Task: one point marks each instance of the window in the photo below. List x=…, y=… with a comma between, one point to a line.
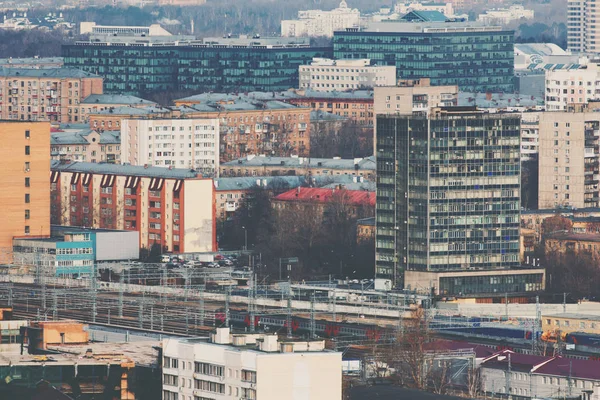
x=27, y=214
x=170, y=380
x=27, y=166
x=27, y=197
x=249, y=376
x=170, y=395
x=209, y=369
x=26, y=229
x=27, y=182
x=27, y=150
x=27, y=134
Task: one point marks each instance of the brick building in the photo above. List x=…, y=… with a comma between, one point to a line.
x=50, y=94
x=25, y=162
x=173, y=208
x=91, y=145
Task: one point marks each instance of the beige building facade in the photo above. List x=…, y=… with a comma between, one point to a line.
x=568, y=160
x=413, y=97
x=45, y=94
x=326, y=75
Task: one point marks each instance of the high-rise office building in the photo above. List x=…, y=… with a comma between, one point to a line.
x=447, y=192
x=475, y=57
x=134, y=65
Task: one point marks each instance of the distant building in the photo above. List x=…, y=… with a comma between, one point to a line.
x=530, y=136
x=142, y=31
x=445, y=8
x=166, y=64
x=528, y=55
x=51, y=94
x=573, y=243
x=326, y=75
x=505, y=15
x=365, y=230
x=72, y=251
x=244, y=365
x=32, y=62
x=87, y=145
x=422, y=167
x=569, y=153
x=171, y=208
x=321, y=23
x=469, y=64
x=25, y=164
x=571, y=322
x=260, y=165
x=172, y=143
x=413, y=97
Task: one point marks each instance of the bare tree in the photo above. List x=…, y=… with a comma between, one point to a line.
x=474, y=381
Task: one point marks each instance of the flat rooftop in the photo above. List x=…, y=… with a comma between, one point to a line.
x=125, y=170
x=401, y=27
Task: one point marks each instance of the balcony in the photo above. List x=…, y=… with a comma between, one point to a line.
x=590, y=152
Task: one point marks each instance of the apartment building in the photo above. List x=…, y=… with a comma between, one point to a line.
x=175, y=143
x=530, y=136
x=261, y=165
x=573, y=243
x=110, y=118
x=413, y=97
x=51, y=94
x=445, y=200
x=571, y=322
x=575, y=87
x=404, y=8
x=569, y=148
x=326, y=75
x=249, y=366
x=505, y=15
x=87, y=145
x=172, y=208
x=141, y=31
x=582, y=35
x=25, y=162
x=321, y=23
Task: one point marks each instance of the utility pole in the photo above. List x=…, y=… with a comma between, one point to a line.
x=121, y=288
x=251, y=311
x=312, y=317
x=93, y=283
x=564, y=302
x=289, y=309
x=201, y=304
x=506, y=305
x=508, y=374
x=227, y=300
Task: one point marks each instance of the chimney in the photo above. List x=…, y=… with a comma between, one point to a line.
x=269, y=343
x=297, y=190
x=216, y=182
x=220, y=336
x=145, y=166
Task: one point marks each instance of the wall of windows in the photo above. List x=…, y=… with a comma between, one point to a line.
x=475, y=61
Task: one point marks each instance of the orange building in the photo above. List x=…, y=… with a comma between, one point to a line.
x=25, y=164
x=45, y=94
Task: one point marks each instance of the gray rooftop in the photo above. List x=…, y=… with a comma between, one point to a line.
x=123, y=110
x=399, y=27
x=191, y=41
x=126, y=170
x=324, y=116
x=365, y=186
x=242, y=105
x=115, y=99
x=498, y=100
x=79, y=137
x=268, y=182
x=46, y=73
x=367, y=163
x=31, y=60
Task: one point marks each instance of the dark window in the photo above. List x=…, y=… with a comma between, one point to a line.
x=27, y=214
x=26, y=197
x=27, y=150
x=26, y=228
x=27, y=182
x=27, y=134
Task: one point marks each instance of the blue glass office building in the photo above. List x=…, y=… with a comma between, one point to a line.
x=218, y=65
x=477, y=58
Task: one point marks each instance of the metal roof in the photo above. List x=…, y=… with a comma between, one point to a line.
x=134, y=110
x=323, y=116
x=79, y=137
x=321, y=195
x=125, y=170
x=266, y=182
x=424, y=16
x=31, y=60
x=584, y=317
x=115, y=99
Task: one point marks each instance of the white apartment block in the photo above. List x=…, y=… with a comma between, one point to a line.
x=568, y=87
x=92, y=28
x=326, y=75
x=505, y=15
x=249, y=366
x=321, y=23
x=445, y=8
x=582, y=32
x=568, y=159
x=175, y=143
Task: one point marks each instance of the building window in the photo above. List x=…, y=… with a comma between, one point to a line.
x=27, y=198
x=27, y=182
x=27, y=214
x=27, y=166
x=27, y=150
x=27, y=134
x=26, y=229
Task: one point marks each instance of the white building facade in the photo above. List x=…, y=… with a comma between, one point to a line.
x=445, y=8
x=326, y=75
x=249, y=366
x=583, y=35
x=321, y=23
x=574, y=86
x=175, y=143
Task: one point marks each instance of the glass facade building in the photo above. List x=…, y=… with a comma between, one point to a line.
x=474, y=57
x=130, y=68
x=447, y=192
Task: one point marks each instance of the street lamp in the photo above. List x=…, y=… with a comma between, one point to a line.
x=245, y=237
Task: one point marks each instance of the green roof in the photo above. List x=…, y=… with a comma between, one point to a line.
x=46, y=72
x=425, y=16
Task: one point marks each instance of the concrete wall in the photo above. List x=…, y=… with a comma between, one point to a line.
x=199, y=216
